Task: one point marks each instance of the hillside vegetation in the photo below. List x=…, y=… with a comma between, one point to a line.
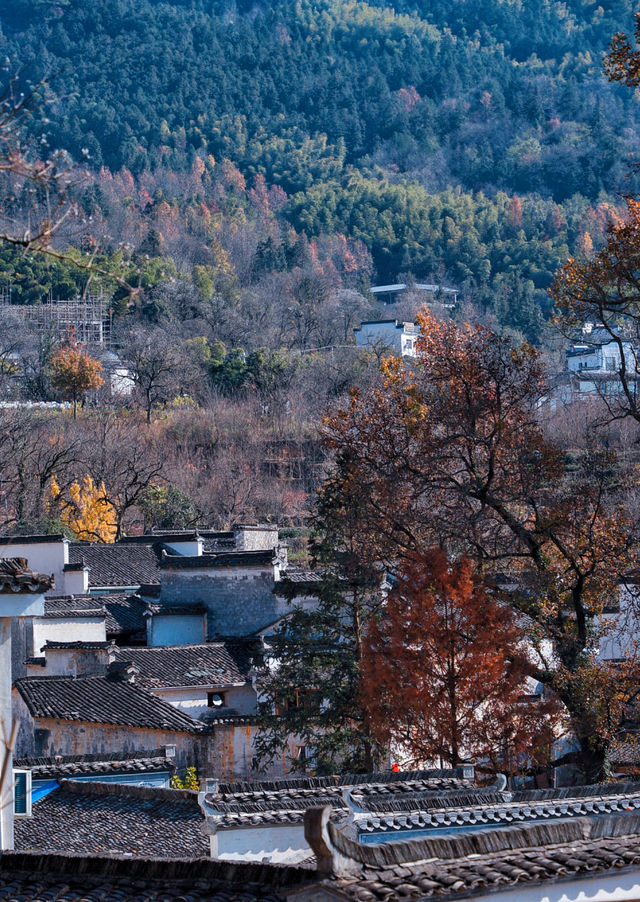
x=471, y=142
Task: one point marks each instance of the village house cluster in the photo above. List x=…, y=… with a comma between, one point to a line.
x=134, y=661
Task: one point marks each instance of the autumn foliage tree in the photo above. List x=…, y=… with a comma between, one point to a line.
x=443, y=671
x=86, y=510
x=450, y=452
x=74, y=372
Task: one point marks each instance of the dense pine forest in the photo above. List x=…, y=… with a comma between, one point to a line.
x=238, y=143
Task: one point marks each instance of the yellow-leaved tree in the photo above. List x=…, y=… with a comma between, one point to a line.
x=87, y=511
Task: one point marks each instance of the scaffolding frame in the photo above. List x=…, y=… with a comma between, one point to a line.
x=87, y=320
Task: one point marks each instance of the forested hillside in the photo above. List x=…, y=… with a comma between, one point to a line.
x=474, y=142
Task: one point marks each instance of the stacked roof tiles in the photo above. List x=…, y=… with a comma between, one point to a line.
x=285, y=801
x=101, y=699
x=96, y=765
x=213, y=664
x=111, y=818
x=16, y=578
x=480, y=863
x=117, y=565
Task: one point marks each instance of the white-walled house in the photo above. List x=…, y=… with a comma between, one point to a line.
x=598, y=352
x=388, y=336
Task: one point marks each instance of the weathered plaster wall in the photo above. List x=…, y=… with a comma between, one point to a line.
x=194, y=701
x=255, y=538
x=69, y=629
x=75, y=662
x=48, y=737
x=47, y=557
x=275, y=843
x=231, y=754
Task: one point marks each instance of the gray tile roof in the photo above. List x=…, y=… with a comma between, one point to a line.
x=71, y=606
x=301, y=576
x=89, y=765
x=99, y=699
x=28, y=877
x=125, y=616
x=476, y=864
x=104, y=818
x=259, y=558
x=173, y=610
x=413, y=815
x=382, y=781
x=210, y=664
x=285, y=801
x=117, y=565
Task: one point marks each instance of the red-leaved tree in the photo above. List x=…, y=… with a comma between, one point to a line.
x=443, y=673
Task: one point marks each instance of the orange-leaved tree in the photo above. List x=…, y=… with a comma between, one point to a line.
x=74, y=372
x=450, y=451
x=443, y=671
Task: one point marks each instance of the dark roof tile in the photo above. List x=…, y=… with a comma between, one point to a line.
x=98, y=699
x=28, y=877
x=117, y=565
x=72, y=606
x=115, y=818
x=259, y=558
x=74, y=765
x=475, y=864
x=16, y=578
x=210, y=664
x=125, y=615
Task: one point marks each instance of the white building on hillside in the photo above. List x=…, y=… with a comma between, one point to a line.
x=388, y=336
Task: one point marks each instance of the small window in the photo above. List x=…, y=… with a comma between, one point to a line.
x=301, y=753
x=610, y=364
x=22, y=793
x=215, y=700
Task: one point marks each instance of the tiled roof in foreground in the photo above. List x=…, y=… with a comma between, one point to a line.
x=38, y=877
x=589, y=850
x=473, y=864
x=107, y=818
x=99, y=699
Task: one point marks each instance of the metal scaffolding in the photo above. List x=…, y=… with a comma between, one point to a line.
x=87, y=319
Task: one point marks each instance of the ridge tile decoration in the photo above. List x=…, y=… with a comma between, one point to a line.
x=16, y=578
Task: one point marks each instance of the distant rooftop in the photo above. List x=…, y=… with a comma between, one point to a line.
x=117, y=565
x=397, y=323
x=418, y=286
